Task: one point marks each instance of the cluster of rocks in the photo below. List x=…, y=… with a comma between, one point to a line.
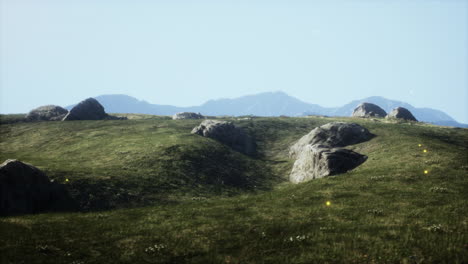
x=187, y=115
x=318, y=154
x=371, y=110
x=25, y=189
x=228, y=134
x=89, y=109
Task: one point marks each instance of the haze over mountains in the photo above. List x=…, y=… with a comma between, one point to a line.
x=267, y=104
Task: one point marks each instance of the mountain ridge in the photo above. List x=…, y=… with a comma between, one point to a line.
x=267, y=104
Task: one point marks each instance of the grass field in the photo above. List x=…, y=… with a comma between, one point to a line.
x=151, y=192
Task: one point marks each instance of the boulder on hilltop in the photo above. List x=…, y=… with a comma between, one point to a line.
x=89, y=109
x=335, y=134
x=47, y=113
x=228, y=134
x=25, y=189
x=368, y=110
x=401, y=113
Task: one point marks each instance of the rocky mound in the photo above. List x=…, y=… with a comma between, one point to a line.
x=25, y=189
x=187, y=115
x=336, y=134
x=89, y=109
x=228, y=134
x=47, y=113
x=368, y=110
x=316, y=161
x=401, y=113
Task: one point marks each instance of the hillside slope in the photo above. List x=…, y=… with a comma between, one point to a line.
x=113, y=164
x=385, y=211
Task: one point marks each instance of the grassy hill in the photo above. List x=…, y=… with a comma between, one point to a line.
x=151, y=192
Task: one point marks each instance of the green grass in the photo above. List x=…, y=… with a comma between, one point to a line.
x=154, y=193
x=12, y=118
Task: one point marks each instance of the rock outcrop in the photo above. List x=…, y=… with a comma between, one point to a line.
x=187, y=115
x=401, y=113
x=24, y=189
x=317, y=161
x=89, y=109
x=228, y=134
x=47, y=113
x=336, y=134
x=368, y=110
x=318, y=154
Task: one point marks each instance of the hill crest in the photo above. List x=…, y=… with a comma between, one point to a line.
x=266, y=104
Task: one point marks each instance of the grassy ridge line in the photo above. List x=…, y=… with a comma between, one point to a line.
x=385, y=211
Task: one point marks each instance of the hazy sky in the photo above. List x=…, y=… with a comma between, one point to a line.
x=187, y=52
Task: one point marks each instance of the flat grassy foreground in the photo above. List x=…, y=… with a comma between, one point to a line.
x=151, y=192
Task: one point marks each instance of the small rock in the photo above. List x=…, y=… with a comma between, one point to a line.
x=187, y=115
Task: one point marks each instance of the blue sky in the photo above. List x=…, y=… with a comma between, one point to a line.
x=187, y=52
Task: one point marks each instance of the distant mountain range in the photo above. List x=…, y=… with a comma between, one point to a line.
x=267, y=104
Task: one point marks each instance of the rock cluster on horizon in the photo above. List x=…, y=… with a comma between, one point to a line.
x=372, y=110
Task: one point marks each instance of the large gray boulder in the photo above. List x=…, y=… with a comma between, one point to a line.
x=25, y=189
x=228, y=134
x=47, y=113
x=401, y=113
x=187, y=115
x=318, y=161
x=89, y=109
x=335, y=134
x=368, y=110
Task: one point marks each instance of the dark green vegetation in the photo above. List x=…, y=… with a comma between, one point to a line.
x=153, y=193
x=13, y=118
